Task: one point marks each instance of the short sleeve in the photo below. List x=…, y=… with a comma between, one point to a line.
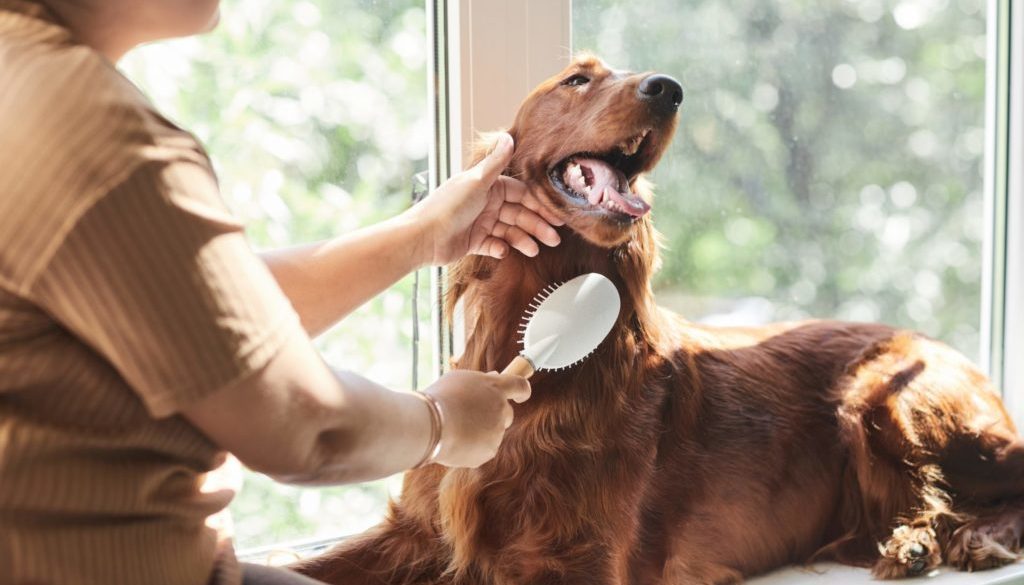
x=158, y=278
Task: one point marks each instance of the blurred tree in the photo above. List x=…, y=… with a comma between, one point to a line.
x=829, y=157
x=315, y=114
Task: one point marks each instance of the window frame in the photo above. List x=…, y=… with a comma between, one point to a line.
x=482, y=46
x=1003, y=268
x=475, y=80
x=480, y=69
x=488, y=37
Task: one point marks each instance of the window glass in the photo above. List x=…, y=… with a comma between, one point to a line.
x=315, y=114
x=828, y=161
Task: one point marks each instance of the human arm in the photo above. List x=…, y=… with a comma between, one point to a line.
x=158, y=280
x=300, y=422
x=475, y=212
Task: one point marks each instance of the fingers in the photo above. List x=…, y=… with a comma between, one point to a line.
x=532, y=223
x=516, y=191
x=488, y=169
x=509, y=415
x=522, y=220
x=494, y=247
x=517, y=238
x=516, y=388
x=478, y=410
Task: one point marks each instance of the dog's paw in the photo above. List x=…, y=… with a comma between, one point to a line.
x=909, y=552
x=982, y=544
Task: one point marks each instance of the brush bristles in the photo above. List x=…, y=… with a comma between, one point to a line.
x=566, y=367
x=531, y=310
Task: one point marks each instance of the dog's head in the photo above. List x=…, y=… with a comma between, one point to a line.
x=586, y=136
x=584, y=139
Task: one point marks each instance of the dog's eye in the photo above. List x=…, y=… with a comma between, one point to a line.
x=576, y=80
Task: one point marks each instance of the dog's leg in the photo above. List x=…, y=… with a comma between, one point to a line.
x=690, y=560
x=989, y=541
x=988, y=467
x=913, y=549
x=916, y=544
x=932, y=444
x=886, y=421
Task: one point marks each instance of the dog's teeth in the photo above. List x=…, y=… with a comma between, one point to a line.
x=576, y=178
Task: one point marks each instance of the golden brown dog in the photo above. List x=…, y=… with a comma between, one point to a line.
x=680, y=453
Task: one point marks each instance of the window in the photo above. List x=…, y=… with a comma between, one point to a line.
x=1004, y=319
x=833, y=160
x=315, y=113
x=829, y=161
x=981, y=207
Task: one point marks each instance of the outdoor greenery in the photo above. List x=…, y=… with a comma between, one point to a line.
x=828, y=163
x=315, y=114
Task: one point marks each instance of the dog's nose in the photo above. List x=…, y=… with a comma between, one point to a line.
x=662, y=92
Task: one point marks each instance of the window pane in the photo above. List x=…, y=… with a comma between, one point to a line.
x=828, y=161
x=315, y=113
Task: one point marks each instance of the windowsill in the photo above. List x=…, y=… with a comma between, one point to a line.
x=842, y=575
x=831, y=573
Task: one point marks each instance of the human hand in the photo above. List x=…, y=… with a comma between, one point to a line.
x=478, y=211
x=476, y=413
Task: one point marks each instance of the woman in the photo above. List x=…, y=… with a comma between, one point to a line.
x=141, y=339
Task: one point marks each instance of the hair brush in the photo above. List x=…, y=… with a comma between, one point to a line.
x=565, y=323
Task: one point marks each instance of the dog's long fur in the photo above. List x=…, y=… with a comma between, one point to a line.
x=680, y=453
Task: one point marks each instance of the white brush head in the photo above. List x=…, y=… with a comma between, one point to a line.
x=568, y=322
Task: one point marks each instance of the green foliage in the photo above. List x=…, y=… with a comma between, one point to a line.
x=315, y=114
x=828, y=163
x=828, y=158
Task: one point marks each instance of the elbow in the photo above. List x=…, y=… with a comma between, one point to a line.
x=322, y=477
x=300, y=479
x=329, y=460
x=276, y=468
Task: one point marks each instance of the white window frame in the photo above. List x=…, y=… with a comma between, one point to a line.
x=1003, y=268
x=488, y=55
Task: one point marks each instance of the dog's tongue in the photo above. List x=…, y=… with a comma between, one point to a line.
x=606, y=185
x=630, y=204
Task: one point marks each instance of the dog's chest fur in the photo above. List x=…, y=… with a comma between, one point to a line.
x=568, y=485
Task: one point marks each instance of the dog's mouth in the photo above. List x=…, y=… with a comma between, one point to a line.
x=601, y=181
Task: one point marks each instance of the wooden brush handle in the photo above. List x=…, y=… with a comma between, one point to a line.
x=519, y=367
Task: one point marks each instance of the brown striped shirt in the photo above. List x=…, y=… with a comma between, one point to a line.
x=127, y=291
